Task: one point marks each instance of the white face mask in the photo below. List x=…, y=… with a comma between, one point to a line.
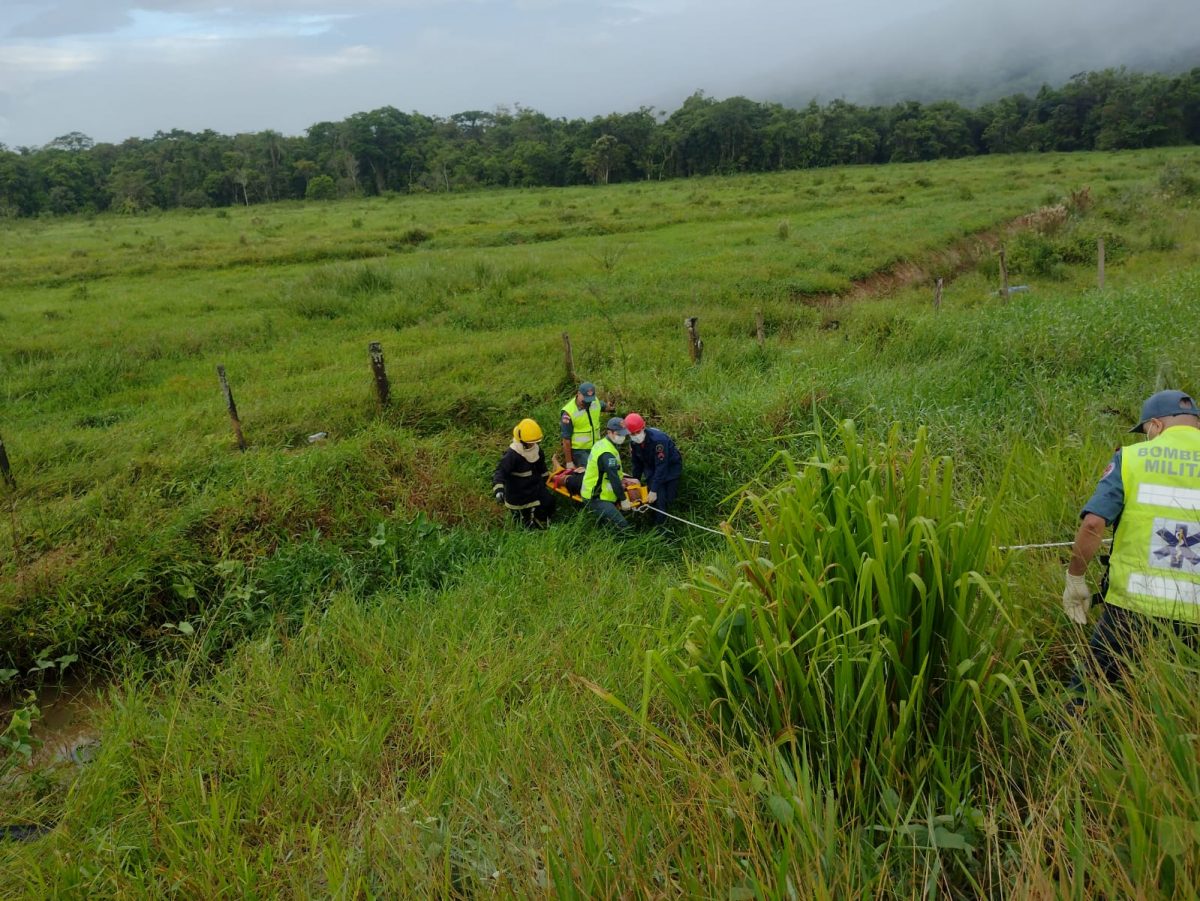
x=618, y=440
x=637, y=437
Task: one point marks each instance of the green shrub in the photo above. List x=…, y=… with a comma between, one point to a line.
x=1033, y=254
x=1162, y=240
x=1174, y=181
x=864, y=635
x=412, y=237
x=1079, y=246
x=321, y=187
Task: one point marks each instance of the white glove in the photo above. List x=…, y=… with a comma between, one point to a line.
x=651, y=497
x=1077, y=599
x=626, y=505
x=498, y=494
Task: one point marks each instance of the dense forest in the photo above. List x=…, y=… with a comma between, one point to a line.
x=386, y=150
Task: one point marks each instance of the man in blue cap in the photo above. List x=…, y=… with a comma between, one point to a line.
x=581, y=425
x=1150, y=495
x=603, y=481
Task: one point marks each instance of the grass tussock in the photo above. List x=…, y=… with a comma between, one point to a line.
x=866, y=636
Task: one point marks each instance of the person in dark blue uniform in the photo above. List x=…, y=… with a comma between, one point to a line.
x=657, y=464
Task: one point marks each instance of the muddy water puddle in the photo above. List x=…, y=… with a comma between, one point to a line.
x=66, y=729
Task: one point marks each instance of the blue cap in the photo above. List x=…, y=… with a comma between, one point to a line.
x=617, y=424
x=1164, y=404
x=588, y=390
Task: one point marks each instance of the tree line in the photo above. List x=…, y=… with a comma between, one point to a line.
x=386, y=150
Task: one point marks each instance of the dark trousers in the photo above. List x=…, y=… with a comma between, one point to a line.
x=607, y=512
x=1117, y=639
x=537, y=517
x=667, y=492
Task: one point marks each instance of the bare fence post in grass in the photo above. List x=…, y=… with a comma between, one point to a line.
x=5, y=469
x=937, y=295
x=6, y=472
x=760, y=332
x=1100, y=263
x=1003, y=274
x=233, y=413
x=695, y=345
x=569, y=359
x=382, y=387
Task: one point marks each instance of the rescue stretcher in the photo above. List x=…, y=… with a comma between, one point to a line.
x=568, y=483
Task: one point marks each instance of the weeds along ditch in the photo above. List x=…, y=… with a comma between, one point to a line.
x=336, y=670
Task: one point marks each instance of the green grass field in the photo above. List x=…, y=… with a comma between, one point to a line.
x=334, y=669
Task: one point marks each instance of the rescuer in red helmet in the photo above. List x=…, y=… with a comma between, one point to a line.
x=657, y=464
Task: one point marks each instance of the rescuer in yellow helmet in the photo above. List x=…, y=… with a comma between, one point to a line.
x=519, y=482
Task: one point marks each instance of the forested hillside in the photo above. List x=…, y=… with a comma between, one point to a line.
x=386, y=150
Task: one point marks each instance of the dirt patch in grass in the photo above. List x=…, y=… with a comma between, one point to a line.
x=422, y=482
x=947, y=263
x=39, y=574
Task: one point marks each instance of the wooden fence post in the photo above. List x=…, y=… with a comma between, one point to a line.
x=1003, y=274
x=760, y=331
x=569, y=359
x=695, y=345
x=233, y=413
x=382, y=387
x=1100, y=263
x=937, y=295
x=6, y=472
x=5, y=469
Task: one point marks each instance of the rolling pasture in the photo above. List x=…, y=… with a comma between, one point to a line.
x=332, y=668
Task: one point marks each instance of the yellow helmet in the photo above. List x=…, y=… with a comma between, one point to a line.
x=528, y=431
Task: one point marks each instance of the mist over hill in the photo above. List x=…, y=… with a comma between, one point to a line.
x=974, y=54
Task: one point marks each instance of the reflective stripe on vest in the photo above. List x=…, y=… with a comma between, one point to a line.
x=585, y=424
x=1155, y=566
x=592, y=474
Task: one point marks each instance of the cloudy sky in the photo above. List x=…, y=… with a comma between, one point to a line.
x=114, y=69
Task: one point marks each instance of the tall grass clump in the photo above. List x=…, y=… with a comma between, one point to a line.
x=864, y=639
x=1114, y=811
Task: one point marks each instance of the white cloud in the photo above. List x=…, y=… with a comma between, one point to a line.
x=37, y=59
x=356, y=57
x=285, y=64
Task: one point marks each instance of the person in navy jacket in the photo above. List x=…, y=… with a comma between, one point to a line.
x=657, y=464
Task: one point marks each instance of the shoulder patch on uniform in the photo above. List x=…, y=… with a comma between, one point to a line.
x=566, y=417
x=1108, y=470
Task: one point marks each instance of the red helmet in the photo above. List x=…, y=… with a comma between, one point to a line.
x=634, y=423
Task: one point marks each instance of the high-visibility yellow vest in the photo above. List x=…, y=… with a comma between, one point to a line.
x=1155, y=563
x=592, y=474
x=585, y=424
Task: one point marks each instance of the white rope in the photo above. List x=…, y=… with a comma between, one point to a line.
x=695, y=525
x=1030, y=547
